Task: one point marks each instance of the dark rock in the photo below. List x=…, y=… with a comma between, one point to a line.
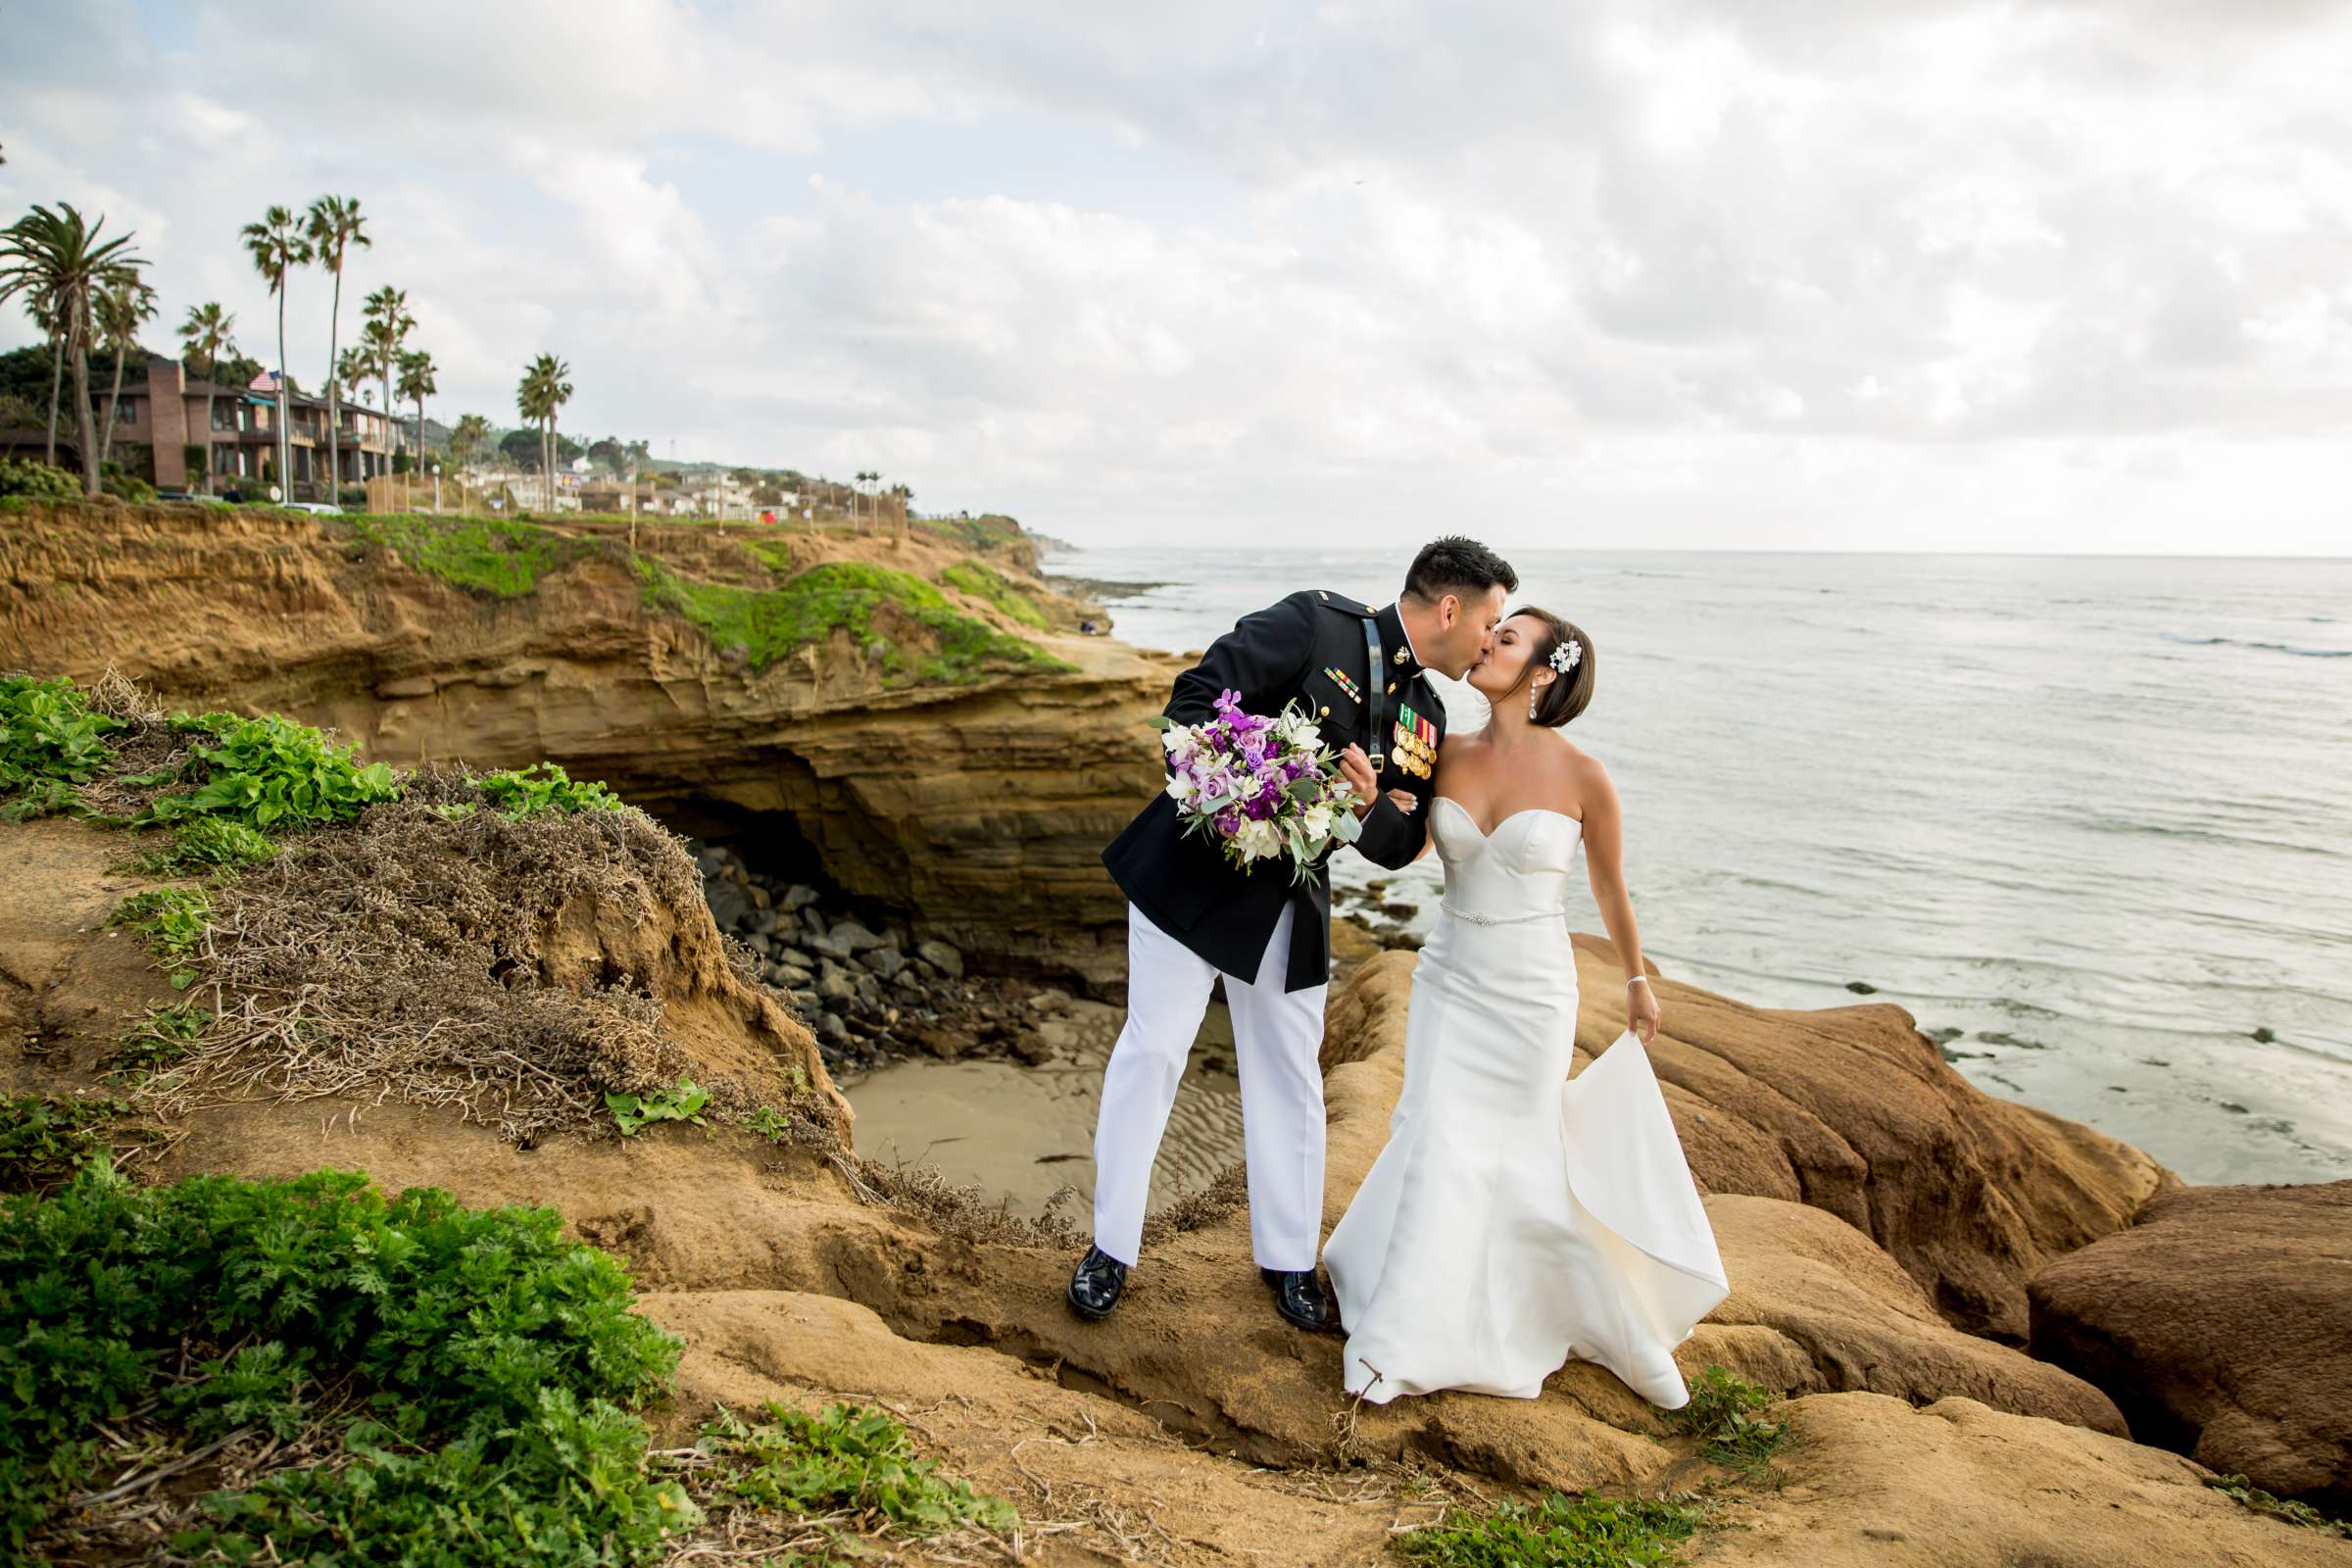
x=885, y=961
x=798, y=897
x=942, y=958
x=2221, y=1324
x=729, y=904
x=855, y=937
x=1862, y=988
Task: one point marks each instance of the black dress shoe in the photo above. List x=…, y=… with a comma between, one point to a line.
x=1096, y=1283
x=1299, y=1297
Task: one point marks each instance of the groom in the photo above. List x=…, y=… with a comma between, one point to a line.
x=1190, y=916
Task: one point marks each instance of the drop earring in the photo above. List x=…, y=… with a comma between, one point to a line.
x=1533, y=698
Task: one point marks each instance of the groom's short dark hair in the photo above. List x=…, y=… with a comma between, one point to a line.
x=1454, y=564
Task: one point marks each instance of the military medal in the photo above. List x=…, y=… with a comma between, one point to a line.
x=1345, y=682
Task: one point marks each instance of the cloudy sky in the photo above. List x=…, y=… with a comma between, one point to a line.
x=1750, y=274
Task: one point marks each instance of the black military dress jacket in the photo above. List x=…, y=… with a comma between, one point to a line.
x=1310, y=647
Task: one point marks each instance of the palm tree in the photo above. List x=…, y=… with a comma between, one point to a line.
x=44, y=318
x=469, y=435
x=332, y=226
x=122, y=305
x=416, y=384
x=354, y=366
x=58, y=259
x=277, y=248
x=544, y=391
x=387, y=331
x=532, y=400
x=205, y=334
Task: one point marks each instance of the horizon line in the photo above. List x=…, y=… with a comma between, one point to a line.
x=1753, y=550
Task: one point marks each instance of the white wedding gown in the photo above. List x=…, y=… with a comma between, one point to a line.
x=1518, y=1217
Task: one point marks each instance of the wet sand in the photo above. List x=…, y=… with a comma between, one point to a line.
x=1026, y=1132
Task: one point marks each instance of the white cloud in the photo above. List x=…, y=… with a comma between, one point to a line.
x=1717, y=270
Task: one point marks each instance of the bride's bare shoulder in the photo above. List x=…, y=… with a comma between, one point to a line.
x=1577, y=775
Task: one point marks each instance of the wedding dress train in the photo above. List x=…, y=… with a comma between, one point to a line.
x=1518, y=1217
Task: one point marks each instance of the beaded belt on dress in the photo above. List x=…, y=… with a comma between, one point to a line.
x=1503, y=919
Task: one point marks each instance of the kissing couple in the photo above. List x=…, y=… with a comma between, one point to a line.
x=1517, y=1217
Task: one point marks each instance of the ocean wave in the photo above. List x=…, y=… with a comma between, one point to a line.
x=2250, y=642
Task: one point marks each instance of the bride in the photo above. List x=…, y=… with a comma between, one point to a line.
x=1518, y=1217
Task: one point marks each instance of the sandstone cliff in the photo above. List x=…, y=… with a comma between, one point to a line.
x=913, y=717
x=1192, y=1427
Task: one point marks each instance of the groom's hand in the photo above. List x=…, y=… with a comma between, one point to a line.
x=1356, y=768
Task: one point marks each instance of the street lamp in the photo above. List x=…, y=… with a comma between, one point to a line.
x=436, y=468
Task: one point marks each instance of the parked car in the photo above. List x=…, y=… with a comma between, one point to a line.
x=317, y=508
x=190, y=498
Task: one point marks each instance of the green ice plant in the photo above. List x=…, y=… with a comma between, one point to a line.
x=267, y=773
x=494, y=1363
x=635, y=1112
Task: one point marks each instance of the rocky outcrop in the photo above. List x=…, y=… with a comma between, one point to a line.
x=1849, y=1111
x=963, y=778
x=1816, y=1302
x=1872, y=1482
x=2222, y=1324
x=1193, y=1427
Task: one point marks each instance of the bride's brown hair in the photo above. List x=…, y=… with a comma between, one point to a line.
x=1566, y=696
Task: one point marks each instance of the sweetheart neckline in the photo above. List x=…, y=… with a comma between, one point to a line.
x=1489, y=832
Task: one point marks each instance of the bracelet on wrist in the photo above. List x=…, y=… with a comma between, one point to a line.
x=1639, y=980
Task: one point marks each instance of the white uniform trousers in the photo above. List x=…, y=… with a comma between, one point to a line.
x=1278, y=1041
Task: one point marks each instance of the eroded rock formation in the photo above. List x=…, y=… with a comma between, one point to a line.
x=2222, y=1324
x=969, y=792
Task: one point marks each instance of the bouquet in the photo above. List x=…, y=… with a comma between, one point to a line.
x=1262, y=786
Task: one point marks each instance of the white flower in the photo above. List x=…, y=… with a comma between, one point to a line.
x=1182, y=788
x=1173, y=736
x=1317, y=821
x=1259, y=840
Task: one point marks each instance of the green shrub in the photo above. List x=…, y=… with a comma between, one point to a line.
x=850, y=1459
x=158, y=1040
x=270, y=772
x=545, y=787
x=202, y=841
x=174, y=921
x=2302, y=1515
x=50, y=742
x=1560, y=1532
x=115, y=480
x=494, y=1360
x=1723, y=1414
x=36, y=481
x=635, y=1112
x=44, y=1140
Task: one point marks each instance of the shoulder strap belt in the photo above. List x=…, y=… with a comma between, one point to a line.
x=1373, y=690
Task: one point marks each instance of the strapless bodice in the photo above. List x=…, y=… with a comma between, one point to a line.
x=1518, y=871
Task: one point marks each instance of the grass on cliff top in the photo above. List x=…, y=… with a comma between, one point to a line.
x=769, y=625
x=989, y=585
x=497, y=557
x=386, y=1380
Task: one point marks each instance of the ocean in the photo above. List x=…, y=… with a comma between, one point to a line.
x=2090, y=818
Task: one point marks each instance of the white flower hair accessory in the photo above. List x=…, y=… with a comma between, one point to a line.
x=1564, y=655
